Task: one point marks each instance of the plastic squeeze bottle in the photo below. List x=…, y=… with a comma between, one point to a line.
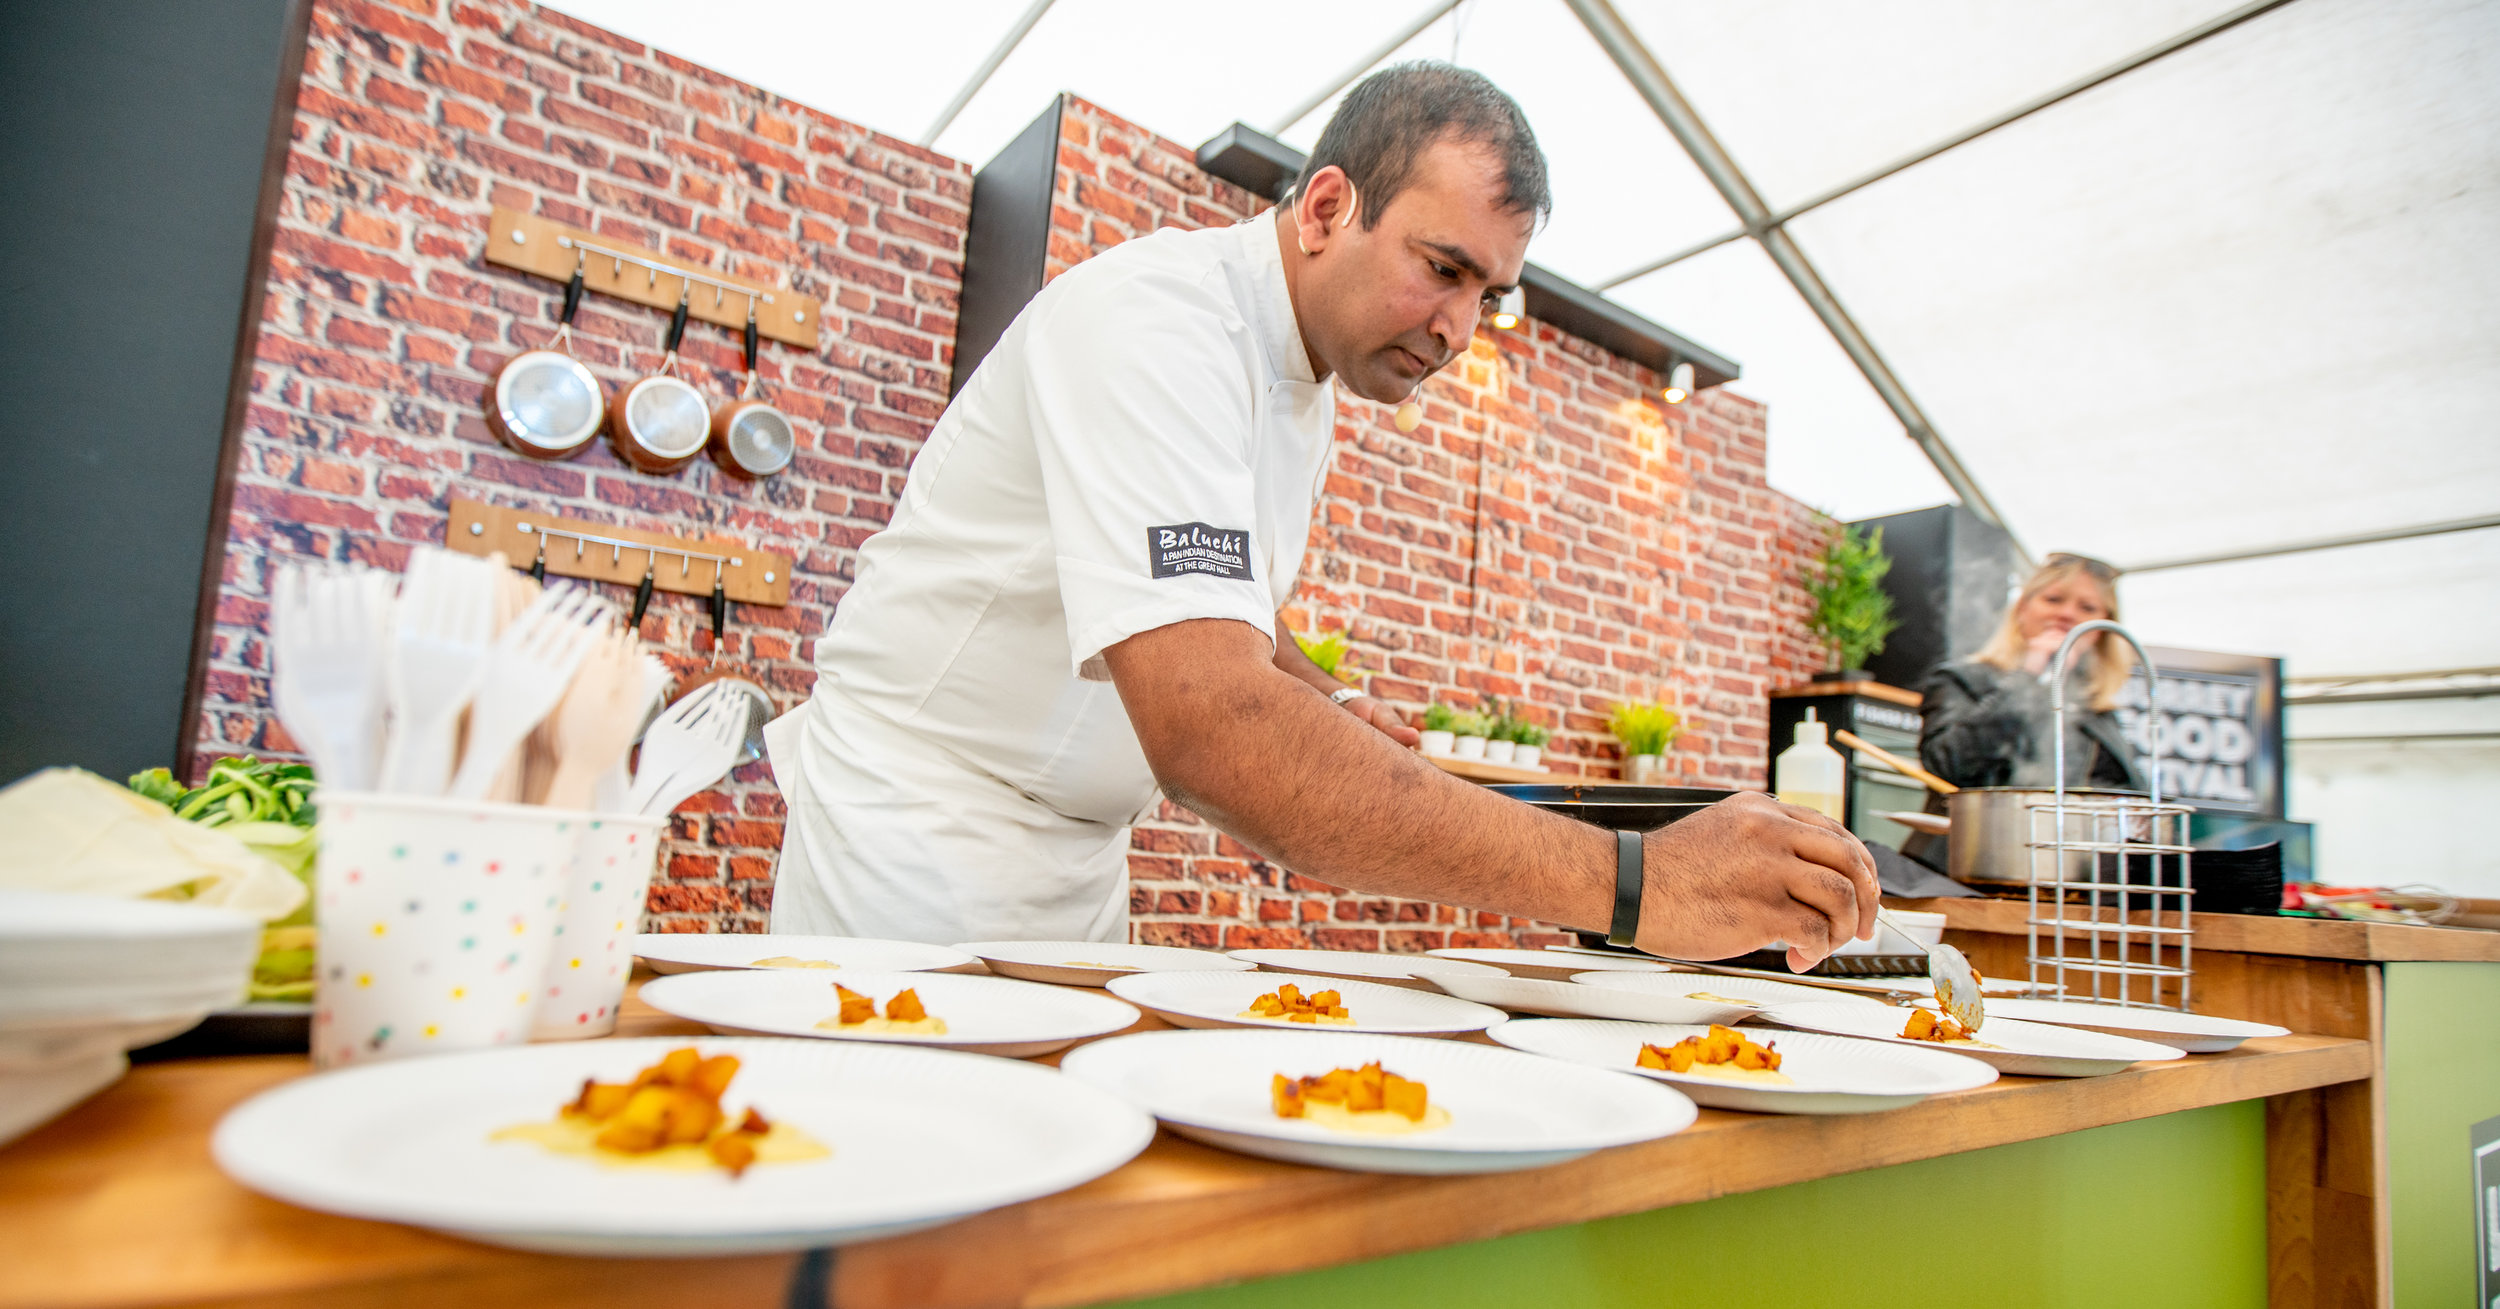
x=1811, y=773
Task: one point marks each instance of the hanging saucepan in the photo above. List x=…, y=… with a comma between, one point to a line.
x=659, y=422
x=544, y=403
x=749, y=437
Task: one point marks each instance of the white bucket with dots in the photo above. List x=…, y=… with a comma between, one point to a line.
x=436, y=920
x=593, y=951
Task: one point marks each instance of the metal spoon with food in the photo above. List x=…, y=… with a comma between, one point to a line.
x=1957, y=983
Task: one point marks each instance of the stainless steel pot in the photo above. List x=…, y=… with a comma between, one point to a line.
x=1993, y=830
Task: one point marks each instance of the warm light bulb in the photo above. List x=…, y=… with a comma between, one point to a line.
x=1679, y=386
x=1512, y=307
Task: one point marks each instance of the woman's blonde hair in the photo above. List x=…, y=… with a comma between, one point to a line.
x=2105, y=659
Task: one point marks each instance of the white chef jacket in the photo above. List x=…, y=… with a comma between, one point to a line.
x=1142, y=447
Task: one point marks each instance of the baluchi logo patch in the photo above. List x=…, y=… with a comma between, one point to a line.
x=1186, y=549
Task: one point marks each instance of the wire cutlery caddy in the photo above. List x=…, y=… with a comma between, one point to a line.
x=2111, y=892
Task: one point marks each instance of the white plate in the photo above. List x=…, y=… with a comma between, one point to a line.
x=985, y=1015
x=919, y=1137
x=2024, y=1049
x=83, y=961
x=1870, y=986
x=1507, y=1110
x=687, y=952
x=1094, y=963
x=2194, y=1033
x=1535, y=995
x=1547, y=965
x=1681, y=987
x=1217, y=1000
x=1405, y=970
x=1831, y=1074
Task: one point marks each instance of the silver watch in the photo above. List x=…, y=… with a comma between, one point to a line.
x=1343, y=694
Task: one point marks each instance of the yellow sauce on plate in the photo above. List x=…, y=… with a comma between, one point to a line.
x=577, y=1136
x=1710, y=998
x=930, y=1026
x=789, y=961
x=1373, y=1122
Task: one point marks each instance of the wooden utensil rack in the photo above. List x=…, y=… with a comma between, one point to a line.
x=647, y=277
x=598, y=552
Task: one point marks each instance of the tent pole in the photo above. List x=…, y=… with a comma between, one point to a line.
x=1432, y=14
x=981, y=76
x=1641, y=69
x=2474, y=524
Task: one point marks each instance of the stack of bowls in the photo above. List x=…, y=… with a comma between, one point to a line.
x=85, y=978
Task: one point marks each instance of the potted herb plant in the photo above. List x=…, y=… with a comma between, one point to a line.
x=1470, y=730
x=1329, y=651
x=1645, y=731
x=1852, y=615
x=1438, y=720
x=1499, y=743
x=1531, y=741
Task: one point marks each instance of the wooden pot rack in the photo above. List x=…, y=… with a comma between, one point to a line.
x=647, y=277
x=598, y=552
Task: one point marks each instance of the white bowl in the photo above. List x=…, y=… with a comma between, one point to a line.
x=1507, y=1110
x=983, y=1015
x=1830, y=1074
x=1218, y=1000
x=1094, y=963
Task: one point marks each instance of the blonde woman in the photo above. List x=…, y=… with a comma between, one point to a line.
x=1987, y=717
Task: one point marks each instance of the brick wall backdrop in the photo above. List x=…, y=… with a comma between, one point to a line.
x=382, y=326
x=1618, y=549
x=1552, y=534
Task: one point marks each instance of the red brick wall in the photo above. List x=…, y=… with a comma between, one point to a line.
x=382, y=325
x=1625, y=550
x=1552, y=534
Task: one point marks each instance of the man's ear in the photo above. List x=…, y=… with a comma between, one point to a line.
x=1325, y=206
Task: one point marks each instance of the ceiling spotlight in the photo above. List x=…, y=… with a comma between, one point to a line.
x=1679, y=386
x=1512, y=308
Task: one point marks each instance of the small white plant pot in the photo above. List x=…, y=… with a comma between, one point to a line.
x=1467, y=747
x=1528, y=756
x=1500, y=752
x=1437, y=743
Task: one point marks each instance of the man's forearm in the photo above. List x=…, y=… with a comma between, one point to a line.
x=1323, y=793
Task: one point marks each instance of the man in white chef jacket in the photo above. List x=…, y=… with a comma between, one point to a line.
x=1075, y=604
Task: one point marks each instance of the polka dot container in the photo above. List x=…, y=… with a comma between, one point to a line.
x=437, y=917
x=602, y=909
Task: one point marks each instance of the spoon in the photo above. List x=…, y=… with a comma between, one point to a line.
x=1957, y=983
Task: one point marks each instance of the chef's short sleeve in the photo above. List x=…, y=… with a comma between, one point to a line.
x=1141, y=397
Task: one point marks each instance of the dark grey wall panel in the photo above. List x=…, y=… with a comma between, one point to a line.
x=1008, y=245
x=137, y=178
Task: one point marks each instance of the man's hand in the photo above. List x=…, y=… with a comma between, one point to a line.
x=1749, y=870
x=1379, y=713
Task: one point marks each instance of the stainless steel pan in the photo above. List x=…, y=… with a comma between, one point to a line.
x=544, y=402
x=659, y=422
x=750, y=438
x=1990, y=840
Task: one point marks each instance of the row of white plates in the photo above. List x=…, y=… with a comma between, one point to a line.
x=922, y=1136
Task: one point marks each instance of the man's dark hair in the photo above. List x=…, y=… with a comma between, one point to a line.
x=1384, y=125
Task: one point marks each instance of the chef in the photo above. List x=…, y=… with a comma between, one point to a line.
x=1075, y=605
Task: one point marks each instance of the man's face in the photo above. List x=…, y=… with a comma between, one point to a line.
x=1385, y=307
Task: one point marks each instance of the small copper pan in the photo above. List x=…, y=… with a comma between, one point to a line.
x=750, y=438
x=659, y=423
x=544, y=402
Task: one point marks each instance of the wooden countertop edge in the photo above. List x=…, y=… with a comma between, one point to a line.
x=2307, y=938
x=157, y=1224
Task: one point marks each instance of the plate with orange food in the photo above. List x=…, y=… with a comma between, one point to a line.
x=1405, y=970
x=951, y=1011
x=1766, y=1071
x=1320, y=1004
x=1383, y=1104
x=2009, y=1045
x=666, y=1146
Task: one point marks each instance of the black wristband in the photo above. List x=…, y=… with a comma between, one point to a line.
x=1627, y=923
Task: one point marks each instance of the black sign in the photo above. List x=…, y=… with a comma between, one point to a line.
x=1195, y=548
x=2217, y=733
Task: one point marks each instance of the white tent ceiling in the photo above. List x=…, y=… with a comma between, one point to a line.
x=2244, y=295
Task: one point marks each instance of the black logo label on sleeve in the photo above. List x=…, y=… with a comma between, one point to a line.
x=1195, y=548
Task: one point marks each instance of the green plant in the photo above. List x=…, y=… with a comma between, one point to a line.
x=1439, y=717
x=1529, y=733
x=1851, y=614
x=1329, y=651
x=1471, y=724
x=1645, y=728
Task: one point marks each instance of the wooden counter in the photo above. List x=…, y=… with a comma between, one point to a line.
x=2329, y=1230
x=118, y=1203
